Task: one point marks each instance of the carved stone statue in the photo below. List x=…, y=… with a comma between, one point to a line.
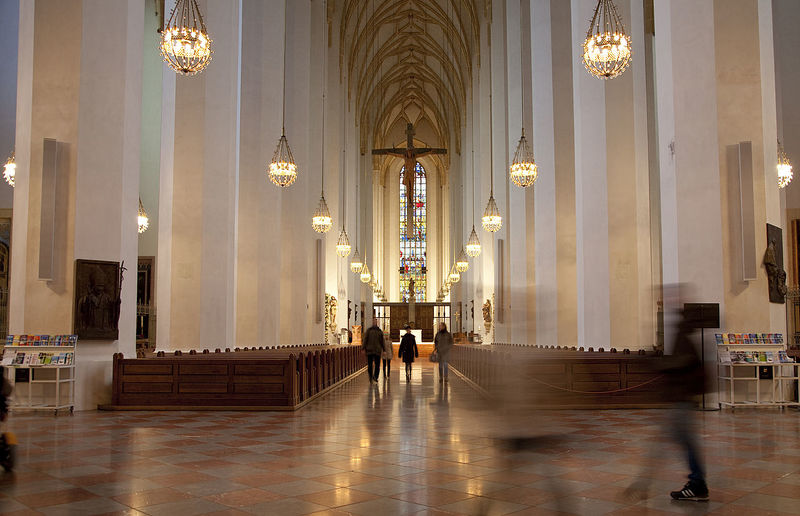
x=775, y=274
x=411, y=294
x=487, y=316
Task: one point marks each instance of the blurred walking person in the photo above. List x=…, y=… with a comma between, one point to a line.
x=442, y=344
x=684, y=384
x=408, y=351
x=387, y=357
x=373, y=345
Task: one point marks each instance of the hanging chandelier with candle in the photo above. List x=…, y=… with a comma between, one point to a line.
x=343, y=245
x=454, y=276
x=282, y=168
x=491, y=220
x=322, y=221
x=142, y=218
x=785, y=173
x=10, y=170
x=523, y=170
x=462, y=264
x=365, y=274
x=185, y=43
x=356, y=264
x=607, y=48
x=473, y=246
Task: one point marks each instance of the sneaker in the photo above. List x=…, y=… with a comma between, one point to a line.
x=692, y=491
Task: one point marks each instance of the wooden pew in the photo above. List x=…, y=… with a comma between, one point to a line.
x=563, y=378
x=247, y=379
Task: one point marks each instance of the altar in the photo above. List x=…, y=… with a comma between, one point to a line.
x=393, y=317
x=417, y=334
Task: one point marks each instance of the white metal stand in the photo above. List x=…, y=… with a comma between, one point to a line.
x=54, y=383
x=755, y=391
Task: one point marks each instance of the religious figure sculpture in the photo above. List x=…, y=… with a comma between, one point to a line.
x=487, y=316
x=775, y=274
x=97, y=305
x=411, y=293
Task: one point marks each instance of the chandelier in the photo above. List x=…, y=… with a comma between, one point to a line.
x=343, y=245
x=523, y=170
x=356, y=264
x=607, y=49
x=785, y=173
x=365, y=275
x=473, y=247
x=143, y=219
x=322, y=221
x=185, y=43
x=462, y=264
x=283, y=169
x=10, y=170
x=454, y=276
x=492, y=221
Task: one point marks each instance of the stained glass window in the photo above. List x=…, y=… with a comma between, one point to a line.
x=413, y=256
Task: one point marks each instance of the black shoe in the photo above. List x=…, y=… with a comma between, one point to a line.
x=692, y=491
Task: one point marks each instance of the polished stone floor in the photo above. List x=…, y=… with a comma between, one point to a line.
x=395, y=448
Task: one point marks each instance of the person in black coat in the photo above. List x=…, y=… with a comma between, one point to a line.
x=408, y=350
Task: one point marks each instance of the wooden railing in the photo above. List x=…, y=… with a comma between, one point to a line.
x=255, y=379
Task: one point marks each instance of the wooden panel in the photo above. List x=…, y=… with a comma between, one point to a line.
x=147, y=378
x=146, y=387
x=263, y=388
x=258, y=379
x=258, y=369
x=639, y=367
x=595, y=368
x=200, y=378
x=546, y=368
x=146, y=368
x=211, y=369
x=595, y=386
x=596, y=377
x=424, y=315
x=203, y=388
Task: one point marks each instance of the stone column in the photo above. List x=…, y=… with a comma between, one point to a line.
x=591, y=192
x=205, y=175
x=543, y=140
x=515, y=280
x=688, y=150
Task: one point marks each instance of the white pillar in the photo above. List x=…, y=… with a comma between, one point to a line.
x=591, y=201
x=688, y=150
x=107, y=181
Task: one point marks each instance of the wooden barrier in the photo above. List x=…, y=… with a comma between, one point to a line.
x=555, y=378
x=257, y=379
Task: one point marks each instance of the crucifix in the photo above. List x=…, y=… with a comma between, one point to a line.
x=409, y=155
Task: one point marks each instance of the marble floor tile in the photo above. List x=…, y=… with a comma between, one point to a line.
x=395, y=448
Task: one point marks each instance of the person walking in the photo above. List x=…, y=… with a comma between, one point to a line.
x=408, y=351
x=685, y=382
x=387, y=357
x=442, y=344
x=373, y=344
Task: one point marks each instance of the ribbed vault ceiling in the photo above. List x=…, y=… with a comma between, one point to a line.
x=409, y=61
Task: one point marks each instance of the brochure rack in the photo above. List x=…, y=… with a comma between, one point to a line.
x=754, y=370
x=42, y=371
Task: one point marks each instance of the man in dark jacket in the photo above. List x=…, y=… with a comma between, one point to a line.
x=684, y=383
x=373, y=347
